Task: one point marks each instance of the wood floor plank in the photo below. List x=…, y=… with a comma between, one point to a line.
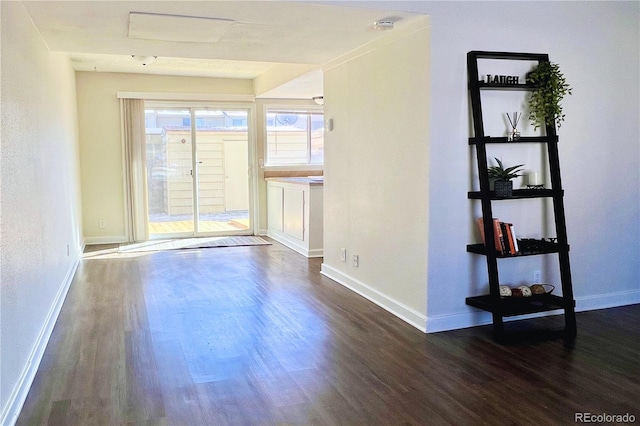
x=256, y=336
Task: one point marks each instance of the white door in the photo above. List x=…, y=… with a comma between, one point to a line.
x=236, y=161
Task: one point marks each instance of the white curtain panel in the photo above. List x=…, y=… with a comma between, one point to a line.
x=134, y=141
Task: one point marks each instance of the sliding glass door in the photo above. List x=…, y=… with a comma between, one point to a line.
x=198, y=177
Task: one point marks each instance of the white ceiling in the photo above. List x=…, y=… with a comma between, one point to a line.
x=229, y=39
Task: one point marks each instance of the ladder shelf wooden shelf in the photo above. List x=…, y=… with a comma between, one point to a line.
x=501, y=307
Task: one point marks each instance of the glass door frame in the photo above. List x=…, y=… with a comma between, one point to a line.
x=252, y=182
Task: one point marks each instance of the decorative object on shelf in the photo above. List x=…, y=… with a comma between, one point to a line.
x=538, y=289
x=505, y=291
x=503, y=188
x=533, y=290
x=516, y=292
x=502, y=185
x=503, y=79
x=532, y=245
x=534, y=180
x=514, y=135
x=551, y=88
x=526, y=291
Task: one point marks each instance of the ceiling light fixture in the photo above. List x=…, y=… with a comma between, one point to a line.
x=318, y=100
x=383, y=25
x=144, y=60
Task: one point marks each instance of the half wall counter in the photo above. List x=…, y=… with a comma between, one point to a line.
x=294, y=213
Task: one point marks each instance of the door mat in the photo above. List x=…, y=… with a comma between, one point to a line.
x=192, y=243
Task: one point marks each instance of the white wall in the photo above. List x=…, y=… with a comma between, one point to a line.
x=100, y=141
x=40, y=205
x=597, y=47
x=377, y=172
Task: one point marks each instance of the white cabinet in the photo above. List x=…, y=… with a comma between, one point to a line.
x=294, y=213
x=275, y=207
x=294, y=203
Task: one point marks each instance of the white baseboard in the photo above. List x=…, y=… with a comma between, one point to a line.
x=609, y=300
x=293, y=244
x=476, y=317
x=315, y=253
x=112, y=239
x=19, y=394
x=439, y=323
x=402, y=311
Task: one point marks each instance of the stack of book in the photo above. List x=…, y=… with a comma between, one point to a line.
x=504, y=236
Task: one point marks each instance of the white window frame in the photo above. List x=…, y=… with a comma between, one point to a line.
x=289, y=108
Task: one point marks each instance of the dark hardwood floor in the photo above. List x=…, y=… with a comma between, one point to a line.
x=256, y=336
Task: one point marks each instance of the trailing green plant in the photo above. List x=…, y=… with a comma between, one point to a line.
x=503, y=174
x=545, y=101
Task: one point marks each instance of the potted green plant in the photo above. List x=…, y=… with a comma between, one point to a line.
x=545, y=101
x=502, y=185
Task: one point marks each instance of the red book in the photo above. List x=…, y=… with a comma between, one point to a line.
x=480, y=222
x=498, y=235
x=510, y=238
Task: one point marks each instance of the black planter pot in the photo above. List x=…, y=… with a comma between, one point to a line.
x=503, y=188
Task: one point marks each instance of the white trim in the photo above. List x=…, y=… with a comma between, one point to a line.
x=294, y=244
x=402, y=311
x=110, y=239
x=254, y=190
x=317, y=252
x=187, y=97
x=476, y=317
x=389, y=38
x=610, y=300
x=19, y=394
x=297, y=168
x=440, y=323
x=291, y=108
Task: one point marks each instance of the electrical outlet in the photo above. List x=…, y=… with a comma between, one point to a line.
x=102, y=224
x=356, y=260
x=343, y=254
x=537, y=278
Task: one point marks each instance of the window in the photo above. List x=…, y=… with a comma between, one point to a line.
x=294, y=137
x=186, y=122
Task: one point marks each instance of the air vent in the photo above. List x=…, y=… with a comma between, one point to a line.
x=193, y=29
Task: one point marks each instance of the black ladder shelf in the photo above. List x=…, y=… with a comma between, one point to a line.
x=502, y=307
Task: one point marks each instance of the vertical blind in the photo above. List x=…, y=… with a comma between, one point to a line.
x=135, y=174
